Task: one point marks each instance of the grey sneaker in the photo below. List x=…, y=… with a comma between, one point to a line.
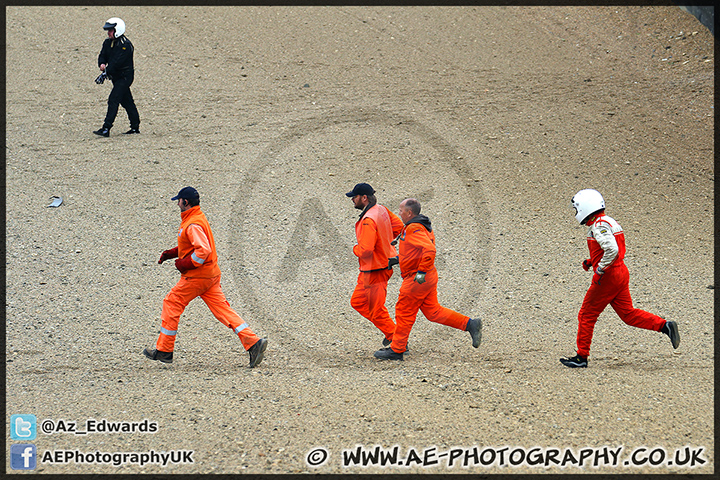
x=673, y=333
x=257, y=351
x=474, y=326
x=388, y=354
x=154, y=354
x=574, y=362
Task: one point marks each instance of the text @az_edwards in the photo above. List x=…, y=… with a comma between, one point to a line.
x=465, y=457
x=92, y=425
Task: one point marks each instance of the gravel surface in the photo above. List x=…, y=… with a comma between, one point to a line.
x=492, y=116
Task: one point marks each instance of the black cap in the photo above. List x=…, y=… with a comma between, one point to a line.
x=361, y=189
x=188, y=193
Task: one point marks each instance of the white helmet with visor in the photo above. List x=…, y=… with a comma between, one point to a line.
x=115, y=23
x=586, y=202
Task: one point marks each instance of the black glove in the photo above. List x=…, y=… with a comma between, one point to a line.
x=101, y=78
x=393, y=261
x=586, y=265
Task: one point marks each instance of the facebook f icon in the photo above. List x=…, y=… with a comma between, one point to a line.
x=23, y=456
x=23, y=427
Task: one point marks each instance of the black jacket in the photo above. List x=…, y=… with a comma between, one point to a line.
x=117, y=55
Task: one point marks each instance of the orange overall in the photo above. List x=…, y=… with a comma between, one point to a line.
x=195, y=239
x=417, y=254
x=376, y=228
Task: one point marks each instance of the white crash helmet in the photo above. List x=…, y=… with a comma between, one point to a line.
x=586, y=202
x=115, y=23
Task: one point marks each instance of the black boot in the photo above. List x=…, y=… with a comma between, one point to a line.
x=388, y=354
x=154, y=354
x=103, y=132
x=474, y=326
x=257, y=351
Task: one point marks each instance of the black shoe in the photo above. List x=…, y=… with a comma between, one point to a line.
x=574, y=362
x=474, y=326
x=103, y=132
x=131, y=131
x=388, y=354
x=386, y=343
x=257, y=351
x=154, y=354
x=673, y=333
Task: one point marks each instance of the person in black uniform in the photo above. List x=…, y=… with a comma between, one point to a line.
x=116, y=60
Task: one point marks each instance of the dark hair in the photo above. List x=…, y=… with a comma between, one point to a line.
x=372, y=199
x=193, y=201
x=413, y=205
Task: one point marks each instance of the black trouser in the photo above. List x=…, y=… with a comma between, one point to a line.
x=121, y=95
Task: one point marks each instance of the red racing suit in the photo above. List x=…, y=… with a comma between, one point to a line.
x=417, y=254
x=195, y=239
x=375, y=229
x=610, y=283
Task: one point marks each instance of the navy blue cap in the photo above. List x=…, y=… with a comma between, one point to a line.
x=188, y=193
x=361, y=189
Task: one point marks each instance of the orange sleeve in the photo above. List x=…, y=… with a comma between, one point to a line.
x=396, y=223
x=420, y=239
x=366, y=239
x=420, y=246
x=200, y=243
